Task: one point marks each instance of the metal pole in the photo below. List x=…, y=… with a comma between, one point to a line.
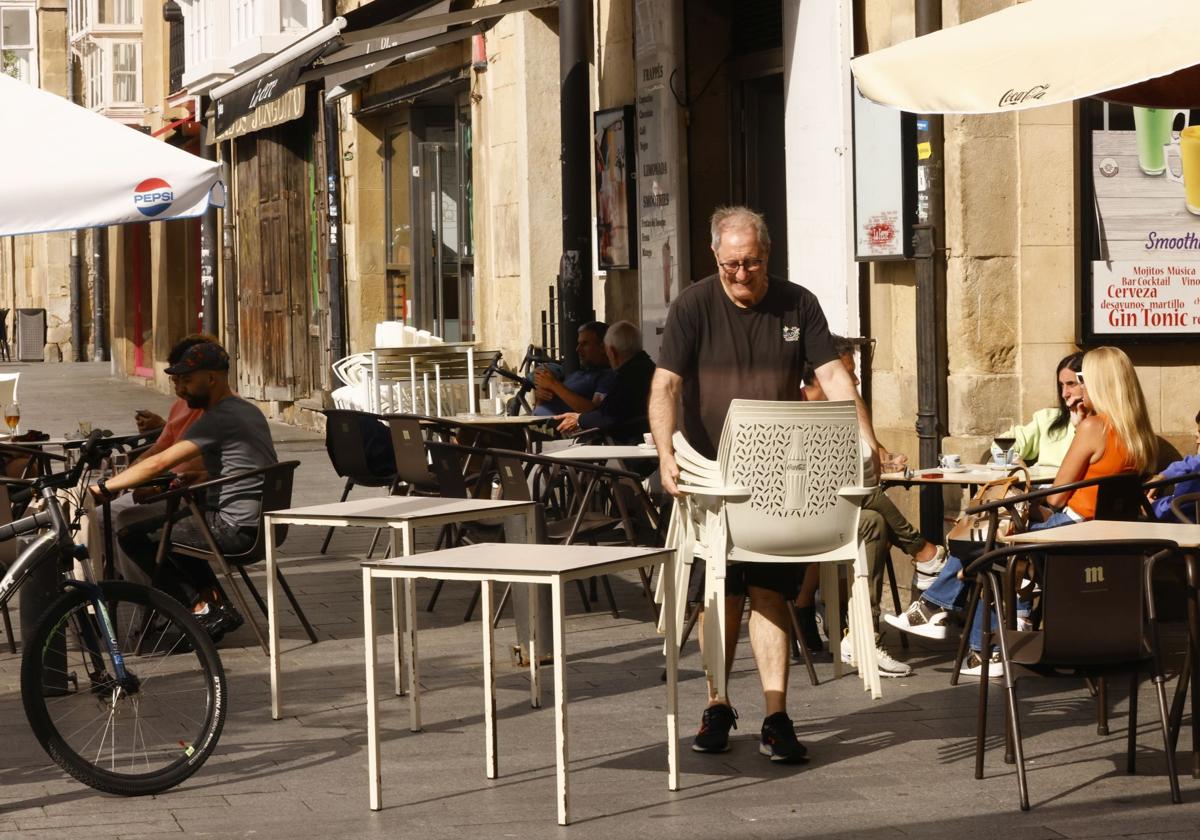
x=75, y=270
x=100, y=294
x=575, y=266
x=929, y=254
x=333, y=199
x=208, y=250
x=229, y=264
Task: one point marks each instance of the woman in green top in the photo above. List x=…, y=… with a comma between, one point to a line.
x=1047, y=437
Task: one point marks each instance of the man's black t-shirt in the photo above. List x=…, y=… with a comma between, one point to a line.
x=724, y=352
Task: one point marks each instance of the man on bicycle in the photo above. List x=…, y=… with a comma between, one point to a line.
x=231, y=436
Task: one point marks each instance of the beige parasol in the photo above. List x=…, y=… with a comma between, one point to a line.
x=1044, y=52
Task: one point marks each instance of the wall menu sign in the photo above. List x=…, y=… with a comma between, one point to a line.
x=1141, y=261
x=661, y=161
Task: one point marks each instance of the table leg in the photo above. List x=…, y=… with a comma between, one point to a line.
x=830, y=591
x=672, y=647
x=1193, y=651
x=410, y=633
x=562, y=754
x=374, y=776
x=272, y=624
x=535, y=674
x=489, y=680
x=398, y=610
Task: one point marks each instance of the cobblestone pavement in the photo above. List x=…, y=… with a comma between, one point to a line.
x=898, y=767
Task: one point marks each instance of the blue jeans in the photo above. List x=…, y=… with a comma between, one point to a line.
x=950, y=593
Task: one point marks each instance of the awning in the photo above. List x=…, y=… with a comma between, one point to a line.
x=356, y=45
x=1041, y=52
x=67, y=167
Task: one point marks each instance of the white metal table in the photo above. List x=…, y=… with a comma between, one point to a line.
x=598, y=452
x=533, y=564
x=402, y=514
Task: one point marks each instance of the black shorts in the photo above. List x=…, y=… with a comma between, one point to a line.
x=783, y=578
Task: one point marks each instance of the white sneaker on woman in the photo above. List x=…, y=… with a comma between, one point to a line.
x=921, y=619
x=927, y=572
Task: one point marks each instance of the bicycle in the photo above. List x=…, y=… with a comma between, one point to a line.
x=121, y=686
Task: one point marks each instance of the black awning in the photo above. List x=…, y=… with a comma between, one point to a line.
x=243, y=100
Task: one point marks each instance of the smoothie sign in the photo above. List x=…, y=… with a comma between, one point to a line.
x=1145, y=280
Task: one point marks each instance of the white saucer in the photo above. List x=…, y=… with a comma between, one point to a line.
x=952, y=469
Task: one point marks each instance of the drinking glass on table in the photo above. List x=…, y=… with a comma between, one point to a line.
x=12, y=416
x=1005, y=442
x=85, y=428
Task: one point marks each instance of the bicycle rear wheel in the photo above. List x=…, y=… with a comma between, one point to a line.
x=134, y=737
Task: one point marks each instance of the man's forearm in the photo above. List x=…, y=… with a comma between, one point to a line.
x=577, y=402
x=663, y=399
x=137, y=473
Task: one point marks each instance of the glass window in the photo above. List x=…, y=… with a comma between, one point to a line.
x=125, y=72
x=293, y=15
x=95, y=77
x=17, y=31
x=243, y=20
x=117, y=12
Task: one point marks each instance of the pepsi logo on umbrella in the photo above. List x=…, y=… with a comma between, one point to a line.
x=152, y=196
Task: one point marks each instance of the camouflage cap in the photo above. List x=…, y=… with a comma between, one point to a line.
x=205, y=356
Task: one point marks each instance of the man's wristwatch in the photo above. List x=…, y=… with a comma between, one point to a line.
x=104, y=489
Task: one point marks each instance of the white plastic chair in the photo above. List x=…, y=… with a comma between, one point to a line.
x=786, y=488
x=8, y=387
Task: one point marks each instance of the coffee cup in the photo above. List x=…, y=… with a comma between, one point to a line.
x=1153, y=127
x=950, y=461
x=1187, y=147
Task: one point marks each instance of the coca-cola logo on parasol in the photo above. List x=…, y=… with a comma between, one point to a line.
x=153, y=196
x=1012, y=98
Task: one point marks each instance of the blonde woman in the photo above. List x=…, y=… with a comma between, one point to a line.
x=1113, y=438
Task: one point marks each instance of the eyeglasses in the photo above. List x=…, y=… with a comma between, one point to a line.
x=733, y=266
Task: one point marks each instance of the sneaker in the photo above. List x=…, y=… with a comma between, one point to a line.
x=927, y=572
x=715, y=724
x=921, y=619
x=888, y=667
x=218, y=619
x=779, y=740
x=973, y=666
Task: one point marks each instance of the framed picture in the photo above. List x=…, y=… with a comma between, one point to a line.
x=616, y=225
x=1140, y=213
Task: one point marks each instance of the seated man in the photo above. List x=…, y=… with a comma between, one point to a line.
x=622, y=414
x=133, y=522
x=880, y=526
x=585, y=388
x=231, y=436
x=1177, y=469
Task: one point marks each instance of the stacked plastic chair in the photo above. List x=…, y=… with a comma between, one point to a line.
x=786, y=488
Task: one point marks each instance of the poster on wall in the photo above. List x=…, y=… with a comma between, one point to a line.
x=1141, y=266
x=616, y=223
x=885, y=181
x=661, y=162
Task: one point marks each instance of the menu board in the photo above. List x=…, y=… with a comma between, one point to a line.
x=1142, y=258
x=661, y=161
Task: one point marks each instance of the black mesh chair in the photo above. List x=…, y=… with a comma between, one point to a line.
x=276, y=495
x=360, y=449
x=1098, y=619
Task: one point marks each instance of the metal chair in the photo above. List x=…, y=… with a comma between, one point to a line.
x=360, y=449
x=1098, y=620
x=276, y=495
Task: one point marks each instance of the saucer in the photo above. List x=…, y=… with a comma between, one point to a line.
x=953, y=469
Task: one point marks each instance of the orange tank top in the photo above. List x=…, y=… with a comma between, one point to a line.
x=1116, y=459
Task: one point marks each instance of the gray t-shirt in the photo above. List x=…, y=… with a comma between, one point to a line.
x=233, y=437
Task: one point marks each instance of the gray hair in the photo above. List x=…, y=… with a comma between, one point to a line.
x=725, y=218
x=624, y=338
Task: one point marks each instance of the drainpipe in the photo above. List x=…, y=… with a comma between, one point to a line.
x=333, y=206
x=100, y=294
x=930, y=257
x=575, y=266
x=208, y=249
x=229, y=264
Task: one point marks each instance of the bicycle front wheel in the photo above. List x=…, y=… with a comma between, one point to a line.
x=136, y=736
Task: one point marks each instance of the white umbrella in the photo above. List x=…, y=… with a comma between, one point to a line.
x=1041, y=52
x=65, y=167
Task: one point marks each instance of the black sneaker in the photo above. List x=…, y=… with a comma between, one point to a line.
x=218, y=620
x=715, y=724
x=779, y=740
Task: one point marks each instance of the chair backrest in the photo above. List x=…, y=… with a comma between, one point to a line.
x=1093, y=604
x=359, y=446
x=446, y=463
x=277, y=483
x=514, y=486
x=408, y=447
x=1120, y=498
x=793, y=457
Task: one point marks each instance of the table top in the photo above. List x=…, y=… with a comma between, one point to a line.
x=970, y=474
x=1185, y=536
x=497, y=419
x=520, y=558
x=602, y=453
x=400, y=508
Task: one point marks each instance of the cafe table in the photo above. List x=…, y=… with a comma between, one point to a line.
x=1187, y=537
x=489, y=563
x=402, y=514
x=602, y=452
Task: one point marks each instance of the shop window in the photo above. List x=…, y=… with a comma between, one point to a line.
x=18, y=48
